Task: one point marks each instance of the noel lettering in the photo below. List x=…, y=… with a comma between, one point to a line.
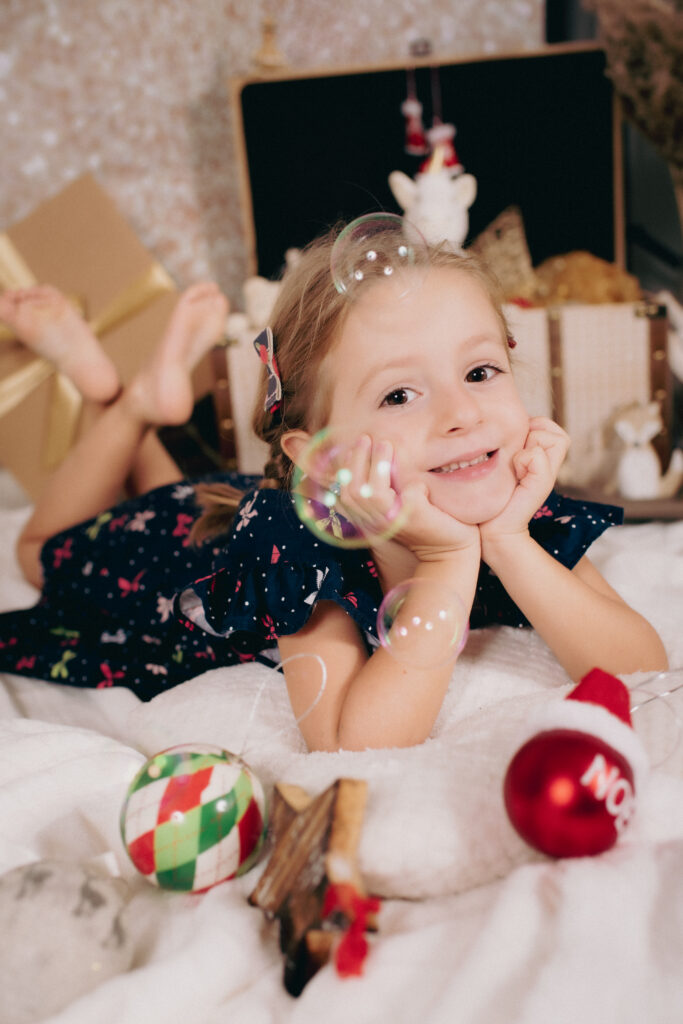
x=608, y=784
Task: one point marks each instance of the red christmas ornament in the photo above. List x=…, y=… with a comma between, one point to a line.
x=570, y=789
x=568, y=794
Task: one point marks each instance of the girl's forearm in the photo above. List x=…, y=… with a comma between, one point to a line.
x=584, y=627
x=390, y=703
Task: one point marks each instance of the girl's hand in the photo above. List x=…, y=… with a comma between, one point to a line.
x=536, y=467
x=430, y=533
x=372, y=502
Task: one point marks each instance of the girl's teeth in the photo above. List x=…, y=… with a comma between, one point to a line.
x=462, y=465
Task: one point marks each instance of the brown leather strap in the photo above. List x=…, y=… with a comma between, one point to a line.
x=661, y=385
x=223, y=406
x=556, y=368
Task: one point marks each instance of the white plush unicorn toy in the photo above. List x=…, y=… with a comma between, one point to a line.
x=437, y=200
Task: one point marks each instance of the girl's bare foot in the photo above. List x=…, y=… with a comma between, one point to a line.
x=51, y=326
x=161, y=393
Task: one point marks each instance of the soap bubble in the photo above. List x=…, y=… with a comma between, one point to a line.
x=326, y=467
x=422, y=623
x=259, y=715
x=657, y=715
x=376, y=247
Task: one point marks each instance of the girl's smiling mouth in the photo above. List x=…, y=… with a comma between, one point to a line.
x=468, y=468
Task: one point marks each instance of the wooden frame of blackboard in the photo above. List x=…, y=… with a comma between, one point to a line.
x=540, y=129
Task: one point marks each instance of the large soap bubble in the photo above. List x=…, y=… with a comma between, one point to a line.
x=657, y=714
x=422, y=623
x=329, y=470
x=376, y=247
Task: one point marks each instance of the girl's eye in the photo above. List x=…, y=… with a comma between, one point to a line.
x=399, y=396
x=481, y=373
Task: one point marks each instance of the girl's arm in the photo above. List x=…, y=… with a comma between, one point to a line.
x=381, y=701
x=584, y=622
x=377, y=701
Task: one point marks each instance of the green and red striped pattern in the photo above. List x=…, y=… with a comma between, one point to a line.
x=193, y=817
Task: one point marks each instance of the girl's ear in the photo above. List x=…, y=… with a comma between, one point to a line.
x=293, y=444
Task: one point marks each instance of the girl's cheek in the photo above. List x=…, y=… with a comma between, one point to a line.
x=402, y=472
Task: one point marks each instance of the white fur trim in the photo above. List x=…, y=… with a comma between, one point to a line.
x=582, y=716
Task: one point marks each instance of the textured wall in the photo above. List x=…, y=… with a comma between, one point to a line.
x=135, y=91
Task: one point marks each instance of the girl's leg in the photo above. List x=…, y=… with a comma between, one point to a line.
x=92, y=475
x=49, y=324
x=153, y=466
x=88, y=481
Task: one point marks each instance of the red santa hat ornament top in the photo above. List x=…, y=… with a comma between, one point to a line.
x=443, y=155
x=570, y=790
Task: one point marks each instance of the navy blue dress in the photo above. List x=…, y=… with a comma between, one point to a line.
x=128, y=601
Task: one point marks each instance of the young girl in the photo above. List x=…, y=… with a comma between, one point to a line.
x=422, y=375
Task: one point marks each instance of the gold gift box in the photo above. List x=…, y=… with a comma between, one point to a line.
x=78, y=241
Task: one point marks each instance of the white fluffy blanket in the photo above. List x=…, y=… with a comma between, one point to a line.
x=474, y=926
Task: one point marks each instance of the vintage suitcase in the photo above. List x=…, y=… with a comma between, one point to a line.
x=580, y=364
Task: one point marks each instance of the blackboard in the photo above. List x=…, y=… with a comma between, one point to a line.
x=539, y=130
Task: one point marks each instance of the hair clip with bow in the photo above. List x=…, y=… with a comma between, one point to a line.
x=265, y=346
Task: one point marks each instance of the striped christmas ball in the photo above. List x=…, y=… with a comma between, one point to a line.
x=193, y=816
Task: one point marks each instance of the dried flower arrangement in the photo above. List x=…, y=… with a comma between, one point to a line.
x=643, y=40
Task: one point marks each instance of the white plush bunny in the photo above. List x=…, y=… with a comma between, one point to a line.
x=436, y=202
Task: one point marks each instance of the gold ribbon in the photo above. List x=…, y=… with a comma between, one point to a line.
x=14, y=272
x=66, y=402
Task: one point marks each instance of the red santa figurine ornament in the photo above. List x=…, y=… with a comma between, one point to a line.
x=416, y=140
x=570, y=790
x=443, y=154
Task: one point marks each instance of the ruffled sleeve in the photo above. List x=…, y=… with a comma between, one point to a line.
x=270, y=575
x=565, y=528
x=272, y=571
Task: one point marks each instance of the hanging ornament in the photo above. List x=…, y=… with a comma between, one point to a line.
x=442, y=154
x=411, y=108
x=269, y=57
x=570, y=790
x=440, y=137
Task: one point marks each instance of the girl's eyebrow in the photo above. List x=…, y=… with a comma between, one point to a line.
x=486, y=337
x=382, y=368
x=407, y=363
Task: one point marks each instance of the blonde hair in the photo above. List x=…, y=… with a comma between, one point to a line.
x=307, y=320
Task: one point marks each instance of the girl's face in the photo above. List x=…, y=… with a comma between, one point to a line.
x=429, y=372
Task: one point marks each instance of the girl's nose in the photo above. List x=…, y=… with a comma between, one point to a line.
x=460, y=410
